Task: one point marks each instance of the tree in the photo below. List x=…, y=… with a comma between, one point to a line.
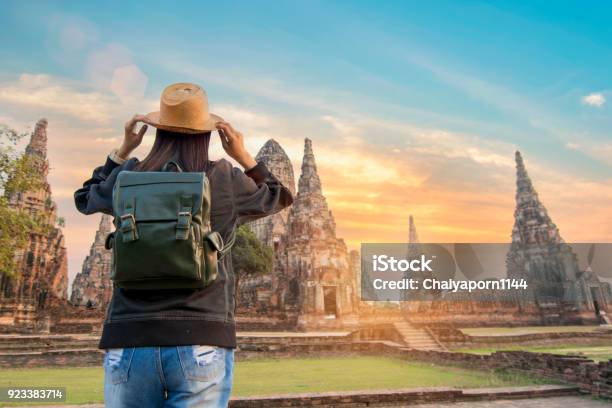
x=249, y=255
x=18, y=172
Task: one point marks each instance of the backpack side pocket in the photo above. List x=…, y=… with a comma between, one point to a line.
x=213, y=243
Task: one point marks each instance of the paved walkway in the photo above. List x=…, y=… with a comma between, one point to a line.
x=552, y=402
x=292, y=334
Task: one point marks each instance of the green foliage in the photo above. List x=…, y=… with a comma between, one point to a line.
x=249, y=255
x=18, y=172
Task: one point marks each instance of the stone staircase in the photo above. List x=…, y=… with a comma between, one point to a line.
x=418, y=338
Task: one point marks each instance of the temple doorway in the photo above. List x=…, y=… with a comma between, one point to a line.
x=329, y=302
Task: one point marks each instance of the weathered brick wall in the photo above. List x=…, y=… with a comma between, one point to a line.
x=593, y=378
x=54, y=358
x=400, y=397
x=455, y=338
x=271, y=322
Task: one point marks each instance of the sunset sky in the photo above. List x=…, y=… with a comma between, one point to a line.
x=413, y=107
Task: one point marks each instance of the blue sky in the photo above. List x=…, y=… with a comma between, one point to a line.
x=523, y=67
x=436, y=94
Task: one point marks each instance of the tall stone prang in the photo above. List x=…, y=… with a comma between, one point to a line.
x=532, y=224
x=92, y=286
x=314, y=268
x=42, y=268
x=539, y=255
x=413, y=250
x=270, y=229
x=413, y=237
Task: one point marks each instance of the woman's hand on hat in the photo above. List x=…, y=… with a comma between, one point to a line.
x=233, y=144
x=132, y=139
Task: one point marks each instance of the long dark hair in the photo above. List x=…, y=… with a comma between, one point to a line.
x=189, y=150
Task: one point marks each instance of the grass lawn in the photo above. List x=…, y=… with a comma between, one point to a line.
x=264, y=377
x=357, y=373
x=513, y=331
x=597, y=353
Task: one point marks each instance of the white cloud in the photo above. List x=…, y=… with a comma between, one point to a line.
x=102, y=63
x=73, y=33
x=109, y=140
x=596, y=99
x=597, y=149
x=242, y=116
x=46, y=93
x=345, y=129
x=342, y=126
x=572, y=146
x=129, y=83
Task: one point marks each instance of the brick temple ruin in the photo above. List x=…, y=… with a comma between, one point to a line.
x=42, y=267
x=271, y=229
x=313, y=266
x=92, y=286
x=314, y=283
x=559, y=290
x=312, y=279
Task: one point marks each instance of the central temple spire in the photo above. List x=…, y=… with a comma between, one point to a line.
x=313, y=263
x=309, y=179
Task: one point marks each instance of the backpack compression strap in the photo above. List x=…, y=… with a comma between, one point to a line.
x=128, y=222
x=184, y=217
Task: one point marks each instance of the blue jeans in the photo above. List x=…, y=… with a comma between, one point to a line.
x=168, y=377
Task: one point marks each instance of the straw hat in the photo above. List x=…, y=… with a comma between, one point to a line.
x=183, y=109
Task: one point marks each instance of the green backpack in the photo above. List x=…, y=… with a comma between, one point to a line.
x=163, y=237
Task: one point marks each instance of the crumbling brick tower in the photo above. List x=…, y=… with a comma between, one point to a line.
x=42, y=268
x=539, y=255
x=314, y=264
x=92, y=287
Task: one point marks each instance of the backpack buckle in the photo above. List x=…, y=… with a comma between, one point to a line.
x=182, y=225
x=128, y=227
